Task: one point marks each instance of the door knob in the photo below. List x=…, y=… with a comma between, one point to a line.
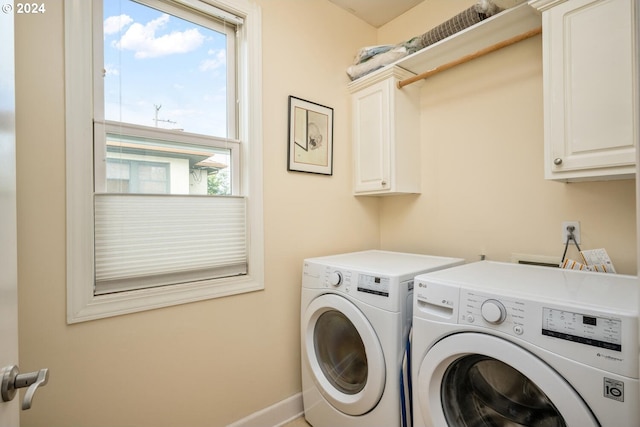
x=12, y=380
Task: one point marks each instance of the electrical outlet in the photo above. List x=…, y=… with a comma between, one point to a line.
x=576, y=231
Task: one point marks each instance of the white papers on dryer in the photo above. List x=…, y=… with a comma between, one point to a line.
x=592, y=260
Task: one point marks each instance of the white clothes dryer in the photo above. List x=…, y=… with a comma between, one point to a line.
x=355, y=321
x=498, y=344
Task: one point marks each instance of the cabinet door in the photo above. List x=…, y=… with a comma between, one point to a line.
x=589, y=89
x=371, y=127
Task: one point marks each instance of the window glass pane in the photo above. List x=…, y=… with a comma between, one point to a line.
x=163, y=71
x=151, y=166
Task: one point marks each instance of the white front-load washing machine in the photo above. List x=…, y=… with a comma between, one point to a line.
x=355, y=321
x=498, y=344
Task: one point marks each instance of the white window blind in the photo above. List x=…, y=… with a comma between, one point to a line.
x=144, y=241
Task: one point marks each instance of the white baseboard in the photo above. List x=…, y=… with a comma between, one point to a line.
x=275, y=415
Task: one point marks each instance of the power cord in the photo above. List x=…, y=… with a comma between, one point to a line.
x=570, y=237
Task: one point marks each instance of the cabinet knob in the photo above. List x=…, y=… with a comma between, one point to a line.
x=383, y=183
x=557, y=161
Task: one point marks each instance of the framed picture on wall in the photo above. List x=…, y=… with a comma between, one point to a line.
x=310, y=137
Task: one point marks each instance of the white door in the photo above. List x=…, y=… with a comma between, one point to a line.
x=474, y=379
x=344, y=354
x=9, y=412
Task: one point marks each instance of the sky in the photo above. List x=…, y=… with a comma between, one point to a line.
x=153, y=59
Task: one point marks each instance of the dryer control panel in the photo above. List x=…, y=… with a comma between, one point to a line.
x=377, y=285
x=367, y=283
x=381, y=291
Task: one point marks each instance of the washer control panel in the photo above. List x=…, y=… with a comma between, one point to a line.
x=588, y=318
x=576, y=327
x=505, y=314
x=516, y=317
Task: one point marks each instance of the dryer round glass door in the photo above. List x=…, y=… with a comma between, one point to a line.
x=340, y=352
x=479, y=380
x=344, y=354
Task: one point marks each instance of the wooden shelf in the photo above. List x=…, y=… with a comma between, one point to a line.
x=504, y=25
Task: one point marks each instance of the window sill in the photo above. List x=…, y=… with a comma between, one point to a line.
x=89, y=307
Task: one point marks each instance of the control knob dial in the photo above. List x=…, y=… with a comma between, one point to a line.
x=493, y=311
x=335, y=278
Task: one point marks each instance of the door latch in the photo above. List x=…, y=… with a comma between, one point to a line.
x=12, y=380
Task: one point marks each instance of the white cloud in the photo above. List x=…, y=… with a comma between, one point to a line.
x=110, y=70
x=115, y=24
x=142, y=39
x=219, y=60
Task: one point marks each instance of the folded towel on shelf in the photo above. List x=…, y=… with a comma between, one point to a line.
x=377, y=61
x=471, y=16
x=371, y=58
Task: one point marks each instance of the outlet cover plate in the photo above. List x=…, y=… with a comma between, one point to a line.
x=576, y=232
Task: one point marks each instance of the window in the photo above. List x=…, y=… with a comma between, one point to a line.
x=134, y=176
x=164, y=202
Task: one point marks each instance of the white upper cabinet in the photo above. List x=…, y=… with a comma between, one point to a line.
x=386, y=119
x=590, y=88
x=386, y=134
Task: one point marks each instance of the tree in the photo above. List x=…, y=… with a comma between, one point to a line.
x=219, y=183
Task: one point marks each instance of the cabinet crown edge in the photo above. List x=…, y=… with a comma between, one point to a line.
x=542, y=5
x=396, y=72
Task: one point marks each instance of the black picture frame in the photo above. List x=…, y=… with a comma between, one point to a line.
x=310, y=137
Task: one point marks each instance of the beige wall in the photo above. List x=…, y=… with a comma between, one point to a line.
x=482, y=165
x=202, y=364
x=214, y=362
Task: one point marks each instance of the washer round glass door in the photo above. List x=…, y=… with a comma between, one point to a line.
x=344, y=354
x=479, y=380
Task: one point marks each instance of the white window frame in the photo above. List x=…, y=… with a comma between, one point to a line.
x=82, y=304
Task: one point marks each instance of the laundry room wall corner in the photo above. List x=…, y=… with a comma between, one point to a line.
x=482, y=150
